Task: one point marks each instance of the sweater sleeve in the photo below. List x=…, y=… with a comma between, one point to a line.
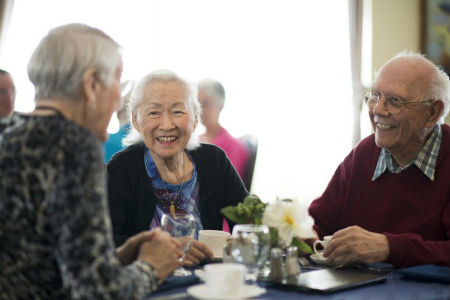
x=81, y=228
x=119, y=197
x=326, y=209
x=420, y=251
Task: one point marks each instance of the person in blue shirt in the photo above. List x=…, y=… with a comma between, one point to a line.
x=114, y=142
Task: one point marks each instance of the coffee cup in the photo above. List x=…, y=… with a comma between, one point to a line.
x=223, y=278
x=324, y=243
x=214, y=239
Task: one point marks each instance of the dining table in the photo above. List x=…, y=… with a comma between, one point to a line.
x=396, y=286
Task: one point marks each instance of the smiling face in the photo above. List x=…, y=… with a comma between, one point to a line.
x=403, y=134
x=165, y=118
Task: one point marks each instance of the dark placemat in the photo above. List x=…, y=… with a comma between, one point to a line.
x=427, y=273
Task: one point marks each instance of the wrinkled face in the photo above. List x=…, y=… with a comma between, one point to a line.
x=108, y=101
x=210, y=109
x=7, y=95
x=403, y=133
x=164, y=118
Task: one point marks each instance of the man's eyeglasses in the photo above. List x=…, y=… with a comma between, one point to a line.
x=393, y=104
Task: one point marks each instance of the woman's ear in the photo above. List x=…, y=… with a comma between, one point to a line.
x=135, y=122
x=90, y=87
x=436, y=109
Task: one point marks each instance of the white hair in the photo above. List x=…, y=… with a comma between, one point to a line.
x=57, y=65
x=213, y=88
x=137, y=97
x=438, y=84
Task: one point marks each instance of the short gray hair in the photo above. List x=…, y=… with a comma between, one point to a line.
x=137, y=97
x=214, y=88
x=439, y=82
x=57, y=65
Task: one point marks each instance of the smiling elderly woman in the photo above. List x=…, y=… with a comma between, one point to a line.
x=169, y=172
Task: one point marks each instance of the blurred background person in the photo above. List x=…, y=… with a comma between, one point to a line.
x=7, y=98
x=55, y=235
x=211, y=96
x=165, y=170
x=114, y=143
x=7, y=94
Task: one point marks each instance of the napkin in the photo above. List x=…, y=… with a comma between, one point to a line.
x=178, y=281
x=427, y=273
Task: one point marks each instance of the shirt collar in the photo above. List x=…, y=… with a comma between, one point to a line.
x=425, y=161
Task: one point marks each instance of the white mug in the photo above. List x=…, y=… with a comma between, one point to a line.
x=214, y=239
x=223, y=278
x=324, y=244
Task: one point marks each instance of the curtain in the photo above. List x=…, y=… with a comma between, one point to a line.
x=355, y=22
x=5, y=15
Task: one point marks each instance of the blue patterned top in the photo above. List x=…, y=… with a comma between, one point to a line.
x=187, y=200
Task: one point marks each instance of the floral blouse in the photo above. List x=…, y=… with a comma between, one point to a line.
x=55, y=231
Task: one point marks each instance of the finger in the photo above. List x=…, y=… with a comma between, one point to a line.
x=191, y=259
x=195, y=252
x=204, y=249
x=338, y=251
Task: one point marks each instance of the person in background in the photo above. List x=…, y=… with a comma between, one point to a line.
x=114, y=143
x=211, y=96
x=55, y=234
x=389, y=200
x=165, y=170
x=7, y=98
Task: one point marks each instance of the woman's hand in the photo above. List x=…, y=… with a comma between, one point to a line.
x=162, y=252
x=128, y=252
x=197, y=253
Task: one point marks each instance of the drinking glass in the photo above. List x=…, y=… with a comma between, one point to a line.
x=250, y=246
x=182, y=227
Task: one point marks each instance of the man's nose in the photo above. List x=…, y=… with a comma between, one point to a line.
x=380, y=107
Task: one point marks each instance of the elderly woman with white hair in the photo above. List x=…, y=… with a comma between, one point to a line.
x=165, y=170
x=55, y=233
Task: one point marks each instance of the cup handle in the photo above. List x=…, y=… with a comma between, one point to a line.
x=315, y=246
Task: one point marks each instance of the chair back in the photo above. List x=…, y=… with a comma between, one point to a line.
x=251, y=144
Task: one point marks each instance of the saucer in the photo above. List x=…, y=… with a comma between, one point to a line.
x=201, y=291
x=321, y=260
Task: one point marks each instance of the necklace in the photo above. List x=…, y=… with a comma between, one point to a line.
x=172, y=201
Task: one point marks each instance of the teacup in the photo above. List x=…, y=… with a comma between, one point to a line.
x=324, y=243
x=214, y=239
x=226, y=278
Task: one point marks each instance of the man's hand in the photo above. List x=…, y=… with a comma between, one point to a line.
x=198, y=252
x=162, y=252
x=355, y=244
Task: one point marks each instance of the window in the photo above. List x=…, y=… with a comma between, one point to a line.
x=284, y=64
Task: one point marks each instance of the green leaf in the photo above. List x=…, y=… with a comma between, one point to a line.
x=230, y=213
x=301, y=246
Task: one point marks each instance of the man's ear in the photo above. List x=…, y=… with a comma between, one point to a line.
x=90, y=86
x=135, y=123
x=436, y=110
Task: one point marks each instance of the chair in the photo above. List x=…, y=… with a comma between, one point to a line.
x=251, y=144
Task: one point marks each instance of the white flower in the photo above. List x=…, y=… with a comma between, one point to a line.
x=290, y=218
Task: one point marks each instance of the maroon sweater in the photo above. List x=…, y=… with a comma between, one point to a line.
x=410, y=209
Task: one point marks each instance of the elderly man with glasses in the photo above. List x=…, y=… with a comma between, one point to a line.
x=389, y=200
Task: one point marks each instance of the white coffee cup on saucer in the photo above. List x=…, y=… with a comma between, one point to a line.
x=215, y=240
x=323, y=243
x=227, y=278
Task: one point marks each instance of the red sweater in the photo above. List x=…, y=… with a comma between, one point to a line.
x=410, y=209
